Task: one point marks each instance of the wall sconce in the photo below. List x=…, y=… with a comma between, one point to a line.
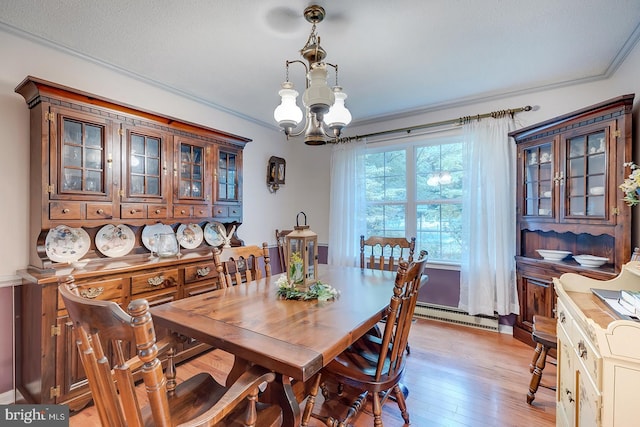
x=276, y=169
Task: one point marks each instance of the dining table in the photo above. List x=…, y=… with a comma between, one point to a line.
x=293, y=338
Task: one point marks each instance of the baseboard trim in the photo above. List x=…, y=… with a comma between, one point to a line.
x=454, y=315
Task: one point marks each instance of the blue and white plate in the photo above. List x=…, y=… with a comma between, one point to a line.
x=66, y=244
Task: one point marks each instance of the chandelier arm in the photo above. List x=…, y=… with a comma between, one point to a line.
x=335, y=67
x=305, y=124
x=306, y=69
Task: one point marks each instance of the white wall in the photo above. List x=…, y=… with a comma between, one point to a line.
x=308, y=175
x=263, y=211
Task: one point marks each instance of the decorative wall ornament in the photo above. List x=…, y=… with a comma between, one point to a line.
x=276, y=169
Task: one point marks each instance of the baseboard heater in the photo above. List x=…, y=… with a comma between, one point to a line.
x=455, y=315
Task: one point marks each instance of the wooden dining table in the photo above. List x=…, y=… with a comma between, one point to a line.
x=295, y=339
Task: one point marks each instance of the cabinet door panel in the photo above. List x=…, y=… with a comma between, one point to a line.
x=193, y=164
x=82, y=160
x=145, y=160
x=536, y=296
x=586, y=153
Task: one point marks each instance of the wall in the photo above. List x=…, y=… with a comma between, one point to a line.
x=307, y=186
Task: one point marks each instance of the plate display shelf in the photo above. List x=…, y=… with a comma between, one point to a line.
x=568, y=173
x=104, y=162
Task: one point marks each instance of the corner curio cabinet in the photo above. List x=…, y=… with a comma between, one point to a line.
x=97, y=164
x=568, y=172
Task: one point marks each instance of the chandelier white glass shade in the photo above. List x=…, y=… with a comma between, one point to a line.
x=324, y=107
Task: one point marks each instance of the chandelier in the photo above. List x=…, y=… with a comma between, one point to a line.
x=325, y=112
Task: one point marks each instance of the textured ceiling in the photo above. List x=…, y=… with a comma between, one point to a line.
x=395, y=57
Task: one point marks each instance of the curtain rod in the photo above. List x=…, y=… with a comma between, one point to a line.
x=458, y=121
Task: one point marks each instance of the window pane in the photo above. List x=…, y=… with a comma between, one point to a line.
x=440, y=230
x=386, y=176
x=432, y=169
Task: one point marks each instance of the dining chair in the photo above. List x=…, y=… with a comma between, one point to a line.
x=280, y=242
x=374, y=366
x=105, y=335
x=241, y=264
x=385, y=252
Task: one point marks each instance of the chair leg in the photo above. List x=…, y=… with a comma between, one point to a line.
x=377, y=410
x=311, y=401
x=537, y=374
x=536, y=355
x=401, y=403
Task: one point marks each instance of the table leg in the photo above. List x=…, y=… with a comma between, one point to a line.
x=280, y=392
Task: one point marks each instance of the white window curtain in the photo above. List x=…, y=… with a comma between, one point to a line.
x=347, y=212
x=487, y=277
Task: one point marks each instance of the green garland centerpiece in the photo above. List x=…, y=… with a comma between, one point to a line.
x=291, y=285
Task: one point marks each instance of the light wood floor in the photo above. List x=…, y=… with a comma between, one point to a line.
x=457, y=376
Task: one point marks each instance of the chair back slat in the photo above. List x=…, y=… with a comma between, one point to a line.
x=242, y=264
x=395, y=335
x=385, y=252
x=282, y=254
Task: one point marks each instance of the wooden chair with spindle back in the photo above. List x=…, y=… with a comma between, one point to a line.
x=385, y=252
x=103, y=330
x=373, y=366
x=241, y=264
x=280, y=242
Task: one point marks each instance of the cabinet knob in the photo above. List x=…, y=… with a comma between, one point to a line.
x=219, y=211
x=234, y=211
x=201, y=211
x=582, y=350
x=132, y=211
x=65, y=210
x=157, y=211
x=100, y=211
x=183, y=212
x=568, y=392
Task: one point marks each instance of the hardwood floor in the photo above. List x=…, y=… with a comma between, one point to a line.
x=457, y=376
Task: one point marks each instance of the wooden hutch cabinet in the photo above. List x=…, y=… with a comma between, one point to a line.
x=568, y=172
x=94, y=163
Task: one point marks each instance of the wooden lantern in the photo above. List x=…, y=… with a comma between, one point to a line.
x=302, y=254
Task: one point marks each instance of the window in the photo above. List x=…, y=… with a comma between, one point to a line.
x=415, y=189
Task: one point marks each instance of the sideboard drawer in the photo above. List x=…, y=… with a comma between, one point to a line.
x=151, y=282
x=588, y=356
x=99, y=211
x=132, y=211
x=157, y=211
x=104, y=290
x=197, y=273
x=65, y=210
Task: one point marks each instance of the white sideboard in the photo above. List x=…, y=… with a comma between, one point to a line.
x=598, y=353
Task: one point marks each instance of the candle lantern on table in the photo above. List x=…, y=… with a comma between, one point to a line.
x=302, y=251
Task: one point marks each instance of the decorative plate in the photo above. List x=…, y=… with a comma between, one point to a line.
x=115, y=240
x=149, y=235
x=189, y=235
x=214, y=233
x=66, y=244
